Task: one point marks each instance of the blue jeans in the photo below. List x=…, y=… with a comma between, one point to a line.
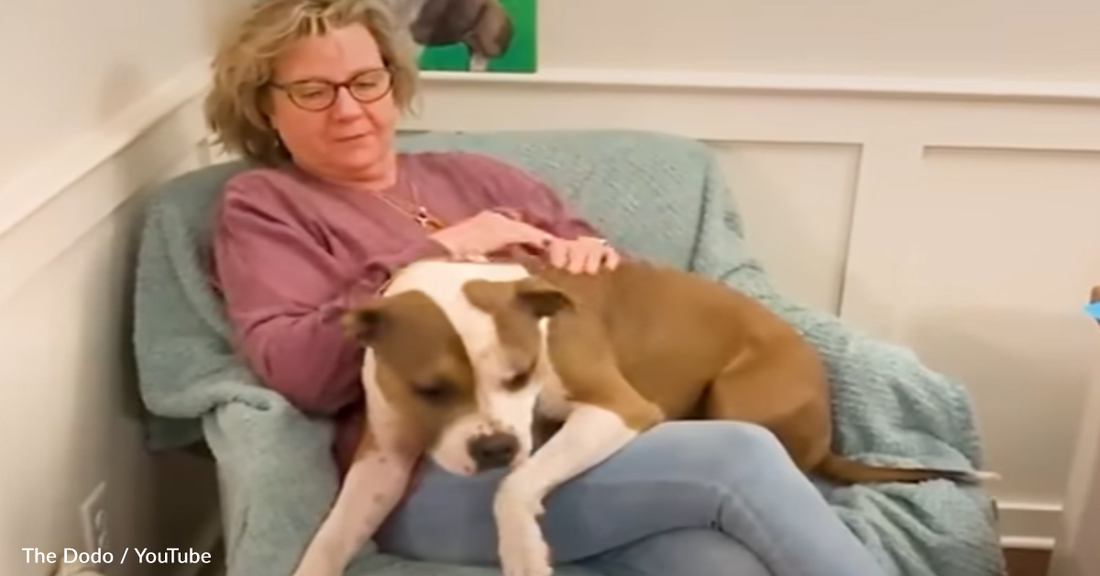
x=699, y=498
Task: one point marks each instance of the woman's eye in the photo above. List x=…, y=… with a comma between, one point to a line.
x=309, y=92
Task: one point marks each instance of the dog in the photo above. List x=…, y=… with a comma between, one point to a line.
x=476, y=363
x=484, y=26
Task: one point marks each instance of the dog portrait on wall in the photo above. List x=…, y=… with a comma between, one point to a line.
x=473, y=35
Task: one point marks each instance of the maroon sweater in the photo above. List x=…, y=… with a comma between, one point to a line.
x=292, y=251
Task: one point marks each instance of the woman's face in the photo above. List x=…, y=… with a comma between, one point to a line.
x=343, y=133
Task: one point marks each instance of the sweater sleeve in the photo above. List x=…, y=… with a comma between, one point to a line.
x=549, y=212
x=284, y=294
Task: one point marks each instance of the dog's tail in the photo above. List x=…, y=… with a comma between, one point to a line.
x=844, y=470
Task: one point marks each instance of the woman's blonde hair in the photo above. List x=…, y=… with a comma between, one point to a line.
x=244, y=65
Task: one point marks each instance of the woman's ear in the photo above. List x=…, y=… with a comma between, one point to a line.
x=267, y=111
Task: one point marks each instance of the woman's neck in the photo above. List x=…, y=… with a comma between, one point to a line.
x=378, y=176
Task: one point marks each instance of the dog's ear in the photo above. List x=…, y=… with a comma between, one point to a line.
x=533, y=295
x=492, y=34
x=541, y=298
x=365, y=323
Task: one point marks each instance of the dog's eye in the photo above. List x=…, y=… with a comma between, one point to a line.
x=436, y=391
x=517, y=381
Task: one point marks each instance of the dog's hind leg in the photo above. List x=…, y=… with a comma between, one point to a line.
x=781, y=391
x=788, y=394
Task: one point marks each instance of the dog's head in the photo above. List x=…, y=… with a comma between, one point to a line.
x=483, y=25
x=461, y=362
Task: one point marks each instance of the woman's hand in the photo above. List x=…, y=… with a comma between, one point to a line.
x=585, y=254
x=490, y=232
x=493, y=232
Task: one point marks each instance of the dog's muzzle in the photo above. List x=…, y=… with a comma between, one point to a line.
x=495, y=450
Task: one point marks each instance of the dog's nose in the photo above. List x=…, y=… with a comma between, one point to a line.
x=494, y=450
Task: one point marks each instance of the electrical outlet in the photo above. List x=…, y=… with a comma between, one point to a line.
x=93, y=513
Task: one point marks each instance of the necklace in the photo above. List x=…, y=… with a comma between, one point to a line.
x=419, y=213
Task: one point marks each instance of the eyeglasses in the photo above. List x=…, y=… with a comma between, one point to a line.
x=318, y=95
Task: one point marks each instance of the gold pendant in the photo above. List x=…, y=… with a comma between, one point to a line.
x=427, y=221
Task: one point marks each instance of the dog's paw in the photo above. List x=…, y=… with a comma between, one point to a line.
x=317, y=570
x=522, y=548
x=524, y=554
x=308, y=571
x=319, y=561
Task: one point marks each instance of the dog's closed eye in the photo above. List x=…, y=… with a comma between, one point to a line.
x=517, y=381
x=436, y=391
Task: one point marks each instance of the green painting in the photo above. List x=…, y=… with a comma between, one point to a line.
x=503, y=39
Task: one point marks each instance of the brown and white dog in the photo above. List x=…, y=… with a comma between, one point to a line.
x=464, y=360
x=482, y=25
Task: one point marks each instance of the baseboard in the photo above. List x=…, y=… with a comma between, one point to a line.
x=51, y=205
x=919, y=87
x=1027, y=543
x=1028, y=525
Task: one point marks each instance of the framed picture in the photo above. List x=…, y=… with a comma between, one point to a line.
x=477, y=35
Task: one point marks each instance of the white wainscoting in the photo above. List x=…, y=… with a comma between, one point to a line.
x=63, y=195
x=68, y=231
x=955, y=217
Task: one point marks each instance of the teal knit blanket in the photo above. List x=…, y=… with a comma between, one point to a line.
x=658, y=196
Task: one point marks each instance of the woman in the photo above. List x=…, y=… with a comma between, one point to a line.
x=311, y=90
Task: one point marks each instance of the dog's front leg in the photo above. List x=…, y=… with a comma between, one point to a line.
x=478, y=63
x=590, y=435
x=375, y=483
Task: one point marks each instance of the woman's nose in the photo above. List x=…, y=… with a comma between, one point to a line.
x=345, y=105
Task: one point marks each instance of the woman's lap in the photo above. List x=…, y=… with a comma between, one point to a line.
x=672, y=478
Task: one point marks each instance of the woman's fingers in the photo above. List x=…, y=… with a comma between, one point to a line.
x=602, y=257
x=596, y=260
x=611, y=258
x=582, y=255
x=598, y=254
x=584, y=259
x=557, y=251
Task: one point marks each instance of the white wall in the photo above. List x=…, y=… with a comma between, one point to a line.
x=940, y=192
x=1003, y=39
x=97, y=105
x=1076, y=553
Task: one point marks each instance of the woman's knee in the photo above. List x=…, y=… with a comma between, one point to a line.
x=742, y=437
x=718, y=446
